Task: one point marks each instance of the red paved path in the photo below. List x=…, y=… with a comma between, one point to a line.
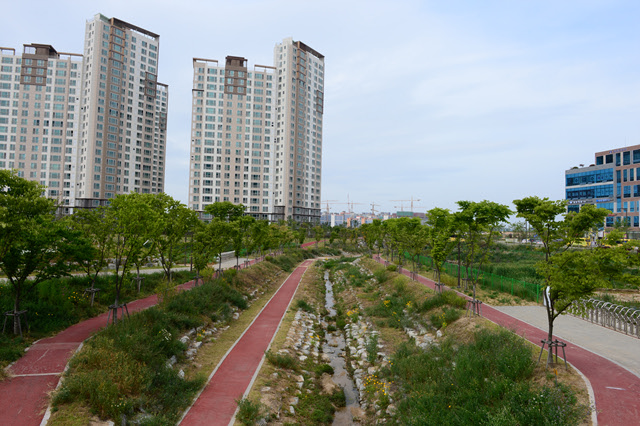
x=216, y=405
x=616, y=390
x=24, y=398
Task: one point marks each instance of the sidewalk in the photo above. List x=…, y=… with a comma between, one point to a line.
x=24, y=396
x=616, y=389
x=216, y=405
x=613, y=345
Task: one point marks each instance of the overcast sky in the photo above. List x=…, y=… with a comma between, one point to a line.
x=436, y=100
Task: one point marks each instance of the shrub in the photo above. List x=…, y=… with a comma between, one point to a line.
x=248, y=411
x=372, y=348
x=400, y=284
x=381, y=275
x=338, y=398
x=448, y=297
x=482, y=382
x=324, y=368
x=122, y=370
x=392, y=268
x=302, y=304
x=285, y=361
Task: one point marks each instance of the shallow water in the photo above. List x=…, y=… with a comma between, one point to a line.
x=334, y=349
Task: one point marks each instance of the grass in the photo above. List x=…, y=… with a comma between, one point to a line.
x=122, y=370
x=302, y=304
x=372, y=348
x=140, y=347
x=485, y=381
x=283, y=361
x=448, y=297
x=249, y=412
x=503, y=363
x=447, y=316
x=57, y=304
x=315, y=406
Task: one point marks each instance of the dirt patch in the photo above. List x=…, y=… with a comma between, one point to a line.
x=623, y=295
x=328, y=385
x=465, y=327
x=548, y=376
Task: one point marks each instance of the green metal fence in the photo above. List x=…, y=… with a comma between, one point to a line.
x=491, y=281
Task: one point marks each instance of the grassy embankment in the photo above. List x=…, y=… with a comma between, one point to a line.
x=59, y=303
x=475, y=373
x=123, y=370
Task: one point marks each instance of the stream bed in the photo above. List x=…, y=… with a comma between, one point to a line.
x=334, y=350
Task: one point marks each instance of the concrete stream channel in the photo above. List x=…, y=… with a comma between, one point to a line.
x=334, y=350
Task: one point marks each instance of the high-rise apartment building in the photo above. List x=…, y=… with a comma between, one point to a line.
x=88, y=126
x=123, y=113
x=232, y=150
x=256, y=135
x=299, y=109
x=39, y=111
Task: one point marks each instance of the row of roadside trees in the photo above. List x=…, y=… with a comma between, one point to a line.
x=36, y=245
x=569, y=274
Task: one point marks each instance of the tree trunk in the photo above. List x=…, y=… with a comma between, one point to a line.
x=16, y=318
x=550, y=318
x=459, y=264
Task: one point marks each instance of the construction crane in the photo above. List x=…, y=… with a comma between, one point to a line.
x=350, y=204
x=330, y=202
x=403, y=201
x=373, y=208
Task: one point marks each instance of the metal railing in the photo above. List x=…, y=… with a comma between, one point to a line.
x=616, y=317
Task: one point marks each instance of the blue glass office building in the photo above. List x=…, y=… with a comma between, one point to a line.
x=612, y=183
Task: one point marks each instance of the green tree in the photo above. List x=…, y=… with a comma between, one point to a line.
x=260, y=234
x=173, y=221
x=132, y=221
x=333, y=235
x=225, y=210
x=569, y=275
x=389, y=235
x=240, y=235
x=202, y=249
x=318, y=233
x=209, y=241
x=219, y=234
x=367, y=231
x=520, y=230
x=96, y=230
x=412, y=238
x=301, y=234
x=371, y=233
x=33, y=246
x=343, y=234
x=440, y=228
x=480, y=222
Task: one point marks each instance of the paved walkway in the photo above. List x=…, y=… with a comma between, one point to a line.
x=613, y=345
x=24, y=396
x=216, y=405
x=616, y=389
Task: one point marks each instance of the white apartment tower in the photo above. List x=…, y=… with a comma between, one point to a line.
x=232, y=124
x=300, y=107
x=256, y=134
x=39, y=111
x=123, y=113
